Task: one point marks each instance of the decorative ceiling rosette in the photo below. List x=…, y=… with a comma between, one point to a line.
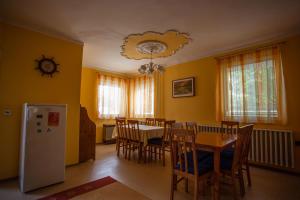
x=139, y=46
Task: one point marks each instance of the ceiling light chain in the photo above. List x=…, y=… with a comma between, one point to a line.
x=149, y=68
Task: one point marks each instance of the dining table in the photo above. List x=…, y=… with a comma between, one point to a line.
x=147, y=132
x=215, y=142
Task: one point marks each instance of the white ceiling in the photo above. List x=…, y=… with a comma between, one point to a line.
x=215, y=26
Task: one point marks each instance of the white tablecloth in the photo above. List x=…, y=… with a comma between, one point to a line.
x=147, y=132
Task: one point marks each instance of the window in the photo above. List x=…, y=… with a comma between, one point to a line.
x=142, y=97
x=132, y=98
x=111, y=104
x=111, y=97
x=252, y=87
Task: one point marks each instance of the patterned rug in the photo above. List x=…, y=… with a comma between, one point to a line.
x=105, y=188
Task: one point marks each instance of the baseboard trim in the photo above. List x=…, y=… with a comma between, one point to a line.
x=9, y=179
x=277, y=169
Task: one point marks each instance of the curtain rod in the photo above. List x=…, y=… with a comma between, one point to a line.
x=247, y=50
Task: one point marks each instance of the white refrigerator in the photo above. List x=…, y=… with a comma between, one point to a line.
x=42, y=151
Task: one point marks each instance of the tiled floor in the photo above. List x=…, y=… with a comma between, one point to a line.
x=153, y=180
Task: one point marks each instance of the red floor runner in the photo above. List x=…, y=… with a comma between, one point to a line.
x=81, y=189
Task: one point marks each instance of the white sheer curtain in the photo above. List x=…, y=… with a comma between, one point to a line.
x=112, y=97
x=141, y=97
x=253, y=87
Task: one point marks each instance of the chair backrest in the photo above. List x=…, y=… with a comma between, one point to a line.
x=121, y=128
x=183, y=142
x=159, y=121
x=192, y=126
x=230, y=126
x=150, y=121
x=240, y=145
x=248, y=142
x=133, y=130
x=178, y=125
x=124, y=118
x=168, y=125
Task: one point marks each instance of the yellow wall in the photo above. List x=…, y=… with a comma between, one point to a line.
x=202, y=107
x=88, y=97
x=20, y=82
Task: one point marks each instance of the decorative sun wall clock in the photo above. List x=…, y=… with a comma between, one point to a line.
x=47, y=66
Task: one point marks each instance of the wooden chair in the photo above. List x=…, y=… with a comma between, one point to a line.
x=192, y=126
x=150, y=121
x=159, y=121
x=122, y=138
x=245, y=162
x=186, y=163
x=168, y=126
x=230, y=127
x=135, y=142
x=159, y=146
x=231, y=167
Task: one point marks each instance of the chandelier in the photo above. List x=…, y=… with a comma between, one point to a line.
x=151, y=47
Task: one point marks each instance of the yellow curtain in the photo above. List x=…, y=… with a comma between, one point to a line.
x=112, y=97
x=158, y=95
x=251, y=87
x=141, y=97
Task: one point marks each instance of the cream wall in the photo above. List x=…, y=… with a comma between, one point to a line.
x=202, y=107
x=20, y=82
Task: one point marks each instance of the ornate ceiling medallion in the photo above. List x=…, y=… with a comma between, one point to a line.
x=151, y=46
x=139, y=46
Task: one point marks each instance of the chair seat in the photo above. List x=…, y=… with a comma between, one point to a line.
x=155, y=141
x=226, y=163
x=201, y=155
x=205, y=165
x=228, y=153
x=227, y=158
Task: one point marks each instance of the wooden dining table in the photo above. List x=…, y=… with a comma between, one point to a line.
x=215, y=142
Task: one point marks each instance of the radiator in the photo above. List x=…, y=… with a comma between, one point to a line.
x=274, y=148
x=107, y=133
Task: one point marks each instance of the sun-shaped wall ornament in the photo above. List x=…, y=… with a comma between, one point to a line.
x=139, y=46
x=47, y=66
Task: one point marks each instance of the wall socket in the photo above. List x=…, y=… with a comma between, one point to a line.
x=7, y=112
